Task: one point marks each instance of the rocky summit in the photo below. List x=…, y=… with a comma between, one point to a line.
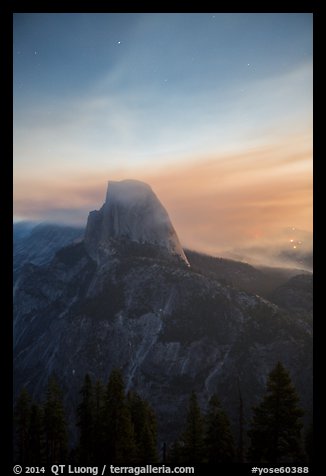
x=125, y=297
x=132, y=213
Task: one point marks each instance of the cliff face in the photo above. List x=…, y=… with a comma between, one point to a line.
x=119, y=299
x=37, y=243
x=131, y=212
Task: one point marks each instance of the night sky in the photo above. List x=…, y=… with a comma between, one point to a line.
x=214, y=111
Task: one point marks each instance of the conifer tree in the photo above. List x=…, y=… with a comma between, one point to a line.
x=99, y=440
x=120, y=447
x=22, y=414
x=145, y=428
x=276, y=426
x=193, y=437
x=54, y=424
x=35, y=436
x=219, y=444
x=85, y=422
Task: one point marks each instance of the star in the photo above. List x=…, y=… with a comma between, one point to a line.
x=119, y=42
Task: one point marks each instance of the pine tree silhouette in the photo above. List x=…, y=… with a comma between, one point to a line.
x=55, y=426
x=36, y=436
x=85, y=422
x=219, y=444
x=119, y=440
x=193, y=437
x=276, y=426
x=145, y=427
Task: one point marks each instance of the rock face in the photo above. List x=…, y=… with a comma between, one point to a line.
x=131, y=212
x=38, y=243
x=125, y=298
x=296, y=294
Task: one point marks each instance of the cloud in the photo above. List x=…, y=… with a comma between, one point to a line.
x=140, y=124
x=238, y=200
x=216, y=203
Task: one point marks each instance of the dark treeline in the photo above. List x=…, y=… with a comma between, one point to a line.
x=120, y=428
x=113, y=427
x=41, y=430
